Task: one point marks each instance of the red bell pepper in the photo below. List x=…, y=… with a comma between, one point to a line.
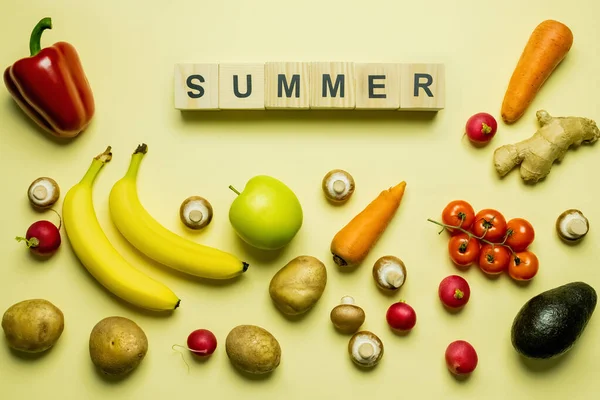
x=51, y=87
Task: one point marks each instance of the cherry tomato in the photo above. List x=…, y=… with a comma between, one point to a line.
x=458, y=213
x=520, y=234
x=524, y=266
x=493, y=260
x=463, y=250
x=493, y=221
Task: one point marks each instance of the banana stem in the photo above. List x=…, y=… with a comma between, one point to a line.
x=96, y=166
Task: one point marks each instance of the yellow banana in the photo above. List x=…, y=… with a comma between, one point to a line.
x=157, y=242
x=99, y=257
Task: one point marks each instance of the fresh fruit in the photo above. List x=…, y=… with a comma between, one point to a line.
x=253, y=349
x=389, y=273
x=351, y=245
x=550, y=323
x=458, y=213
x=494, y=260
x=481, y=128
x=454, y=291
x=42, y=238
x=347, y=317
x=365, y=349
x=266, y=214
x=489, y=224
x=519, y=234
x=33, y=326
x=298, y=286
x=117, y=346
x=523, y=266
x=43, y=193
x=401, y=317
x=202, y=342
x=463, y=249
x=461, y=358
x=338, y=186
x=151, y=238
x=97, y=254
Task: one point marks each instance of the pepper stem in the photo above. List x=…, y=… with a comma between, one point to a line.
x=35, y=45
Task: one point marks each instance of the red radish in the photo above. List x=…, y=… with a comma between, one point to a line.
x=42, y=238
x=481, y=128
x=202, y=342
x=454, y=291
x=461, y=357
x=400, y=316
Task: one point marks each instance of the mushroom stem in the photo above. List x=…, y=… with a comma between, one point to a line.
x=40, y=192
x=339, y=186
x=576, y=227
x=366, y=351
x=394, y=278
x=347, y=300
x=196, y=216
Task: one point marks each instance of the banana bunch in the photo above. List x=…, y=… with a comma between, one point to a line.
x=97, y=254
x=157, y=242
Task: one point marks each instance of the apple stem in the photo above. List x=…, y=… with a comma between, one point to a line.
x=234, y=189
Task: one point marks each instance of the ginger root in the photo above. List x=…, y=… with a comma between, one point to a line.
x=549, y=144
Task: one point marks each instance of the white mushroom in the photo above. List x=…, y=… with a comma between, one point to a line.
x=347, y=317
x=572, y=225
x=389, y=273
x=43, y=193
x=196, y=212
x=365, y=349
x=338, y=186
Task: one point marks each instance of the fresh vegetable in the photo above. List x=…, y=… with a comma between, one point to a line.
x=481, y=128
x=43, y=193
x=299, y=285
x=202, y=342
x=338, y=186
x=157, y=242
x=252, y=349
x=519, y=234
x=523, y=266
x=461, y=358
x=266, y=214
x=401, y=317
x=33, y=326
x=97, y=254
x=458, y=213
x=365, y=349
x=51, y=87
x=347, y=317
x=494, y=259
x=117, y=346
x=550, y=143
x=454, y=291
x=351, y=245
x=489, y=224
x=572, y=226
x=389, y=273
x=42, y=238
x=196, y=212
x=463, y=249
x=550, y=323
x=547, y=46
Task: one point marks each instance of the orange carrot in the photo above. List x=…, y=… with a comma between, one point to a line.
x=547, y=47
x=353, y=242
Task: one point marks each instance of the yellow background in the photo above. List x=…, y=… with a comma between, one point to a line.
x=129, y=48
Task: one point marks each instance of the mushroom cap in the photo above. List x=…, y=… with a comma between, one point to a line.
x=43, y=193
x=347, y=318
x=196, y=212
x=389, y=273
x=572, y=225
x=338, y=185
x=365, y=349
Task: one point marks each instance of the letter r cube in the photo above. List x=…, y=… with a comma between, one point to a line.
x=423, y=87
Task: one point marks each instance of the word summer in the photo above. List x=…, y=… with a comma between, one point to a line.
x=309, y=85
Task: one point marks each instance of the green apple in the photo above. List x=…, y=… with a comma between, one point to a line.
x=266, y=214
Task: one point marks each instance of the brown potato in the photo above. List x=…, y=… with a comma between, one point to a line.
x=33, y=326
x=298, y=286
x=253, y=349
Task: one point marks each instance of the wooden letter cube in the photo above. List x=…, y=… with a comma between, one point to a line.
x=287, y=85
x=196, y=86
x=332, y=85
x=423, y=87
x=242, y=86
x=377, y=86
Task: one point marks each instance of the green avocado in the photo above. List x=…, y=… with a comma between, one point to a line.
x=550, y=323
